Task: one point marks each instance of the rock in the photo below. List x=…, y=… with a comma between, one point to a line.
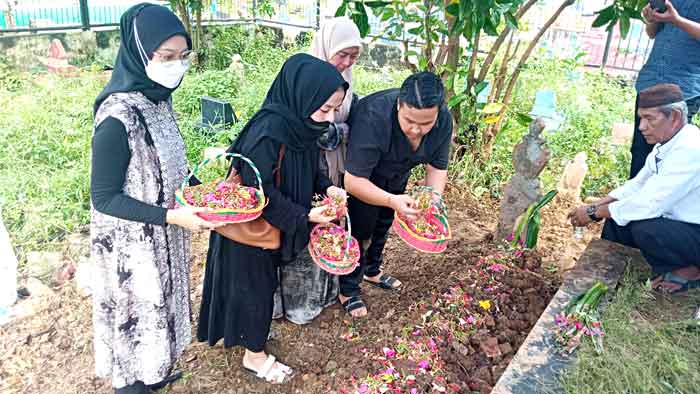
x=490, y=347
x=506, y=349
x=38, y=294
x=488, y=320
x=84, y=277
x=64, y=274
x=572, y=178
x=43, y=265
x=461, y=349
x=331, y=366
x=530, y=157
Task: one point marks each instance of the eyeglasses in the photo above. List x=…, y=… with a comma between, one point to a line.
x=185, y=57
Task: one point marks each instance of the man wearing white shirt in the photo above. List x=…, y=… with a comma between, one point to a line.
x=658, y=211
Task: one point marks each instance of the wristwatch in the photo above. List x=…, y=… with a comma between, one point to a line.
x=590, y=211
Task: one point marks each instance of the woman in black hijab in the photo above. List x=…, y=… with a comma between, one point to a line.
x=240, y=280
x=141, y=310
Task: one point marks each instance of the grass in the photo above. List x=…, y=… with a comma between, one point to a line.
x=649, y=348
x=46, y=126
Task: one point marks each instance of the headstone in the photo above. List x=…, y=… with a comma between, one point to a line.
x=57, y=61
x=216, y=115
x=530, y=157
x=545, y=107
x=572, y=178
x=622, y=133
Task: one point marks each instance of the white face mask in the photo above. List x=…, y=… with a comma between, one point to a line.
x=168, y=74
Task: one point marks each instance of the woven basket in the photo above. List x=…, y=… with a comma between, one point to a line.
x=226, y=215
x=419, y=242
x=342, y=266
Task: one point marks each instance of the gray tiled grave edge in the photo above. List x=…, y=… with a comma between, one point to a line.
x=536, y=366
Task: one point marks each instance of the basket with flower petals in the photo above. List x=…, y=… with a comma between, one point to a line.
x=230, y=201
x=334, y=249
x=430, y=231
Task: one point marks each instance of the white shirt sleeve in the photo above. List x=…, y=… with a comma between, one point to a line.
x=679, y=175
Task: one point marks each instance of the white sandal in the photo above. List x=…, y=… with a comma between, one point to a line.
x=275, y=373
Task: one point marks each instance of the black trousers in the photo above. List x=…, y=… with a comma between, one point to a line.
x=666, y=244
x=371, y=224
x=640, y=149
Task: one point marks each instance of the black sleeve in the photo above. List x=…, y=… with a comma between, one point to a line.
x=322, y=183
x=364, y=145
x=281, y=212
x=442, y=153
x=110, y=160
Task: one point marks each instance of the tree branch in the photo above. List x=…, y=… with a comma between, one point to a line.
x=501, y=38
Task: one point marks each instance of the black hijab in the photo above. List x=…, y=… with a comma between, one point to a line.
x=301, y=87
x=155, y=25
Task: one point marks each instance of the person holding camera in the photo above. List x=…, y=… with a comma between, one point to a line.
x=674, y=58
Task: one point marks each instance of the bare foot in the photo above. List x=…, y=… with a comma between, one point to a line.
x=689, y=273
x=359, y=312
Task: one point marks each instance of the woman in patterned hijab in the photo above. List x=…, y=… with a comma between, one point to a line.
x=141, y=306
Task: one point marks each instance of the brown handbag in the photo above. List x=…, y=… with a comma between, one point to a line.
x=259, y=232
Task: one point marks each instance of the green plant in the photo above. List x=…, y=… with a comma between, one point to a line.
x=222, y=42
x=531, y=222
x=622, y=12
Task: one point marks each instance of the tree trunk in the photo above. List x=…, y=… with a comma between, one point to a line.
x=184, y=16
x=499, y=41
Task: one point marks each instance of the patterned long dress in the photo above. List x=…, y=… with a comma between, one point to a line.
x=141, y=305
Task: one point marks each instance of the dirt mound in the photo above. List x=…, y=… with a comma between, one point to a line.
x=433, y=337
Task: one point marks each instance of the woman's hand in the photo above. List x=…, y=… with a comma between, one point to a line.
x=316, y=215
x=335, y=191
x=186, y=217
x=404, y=205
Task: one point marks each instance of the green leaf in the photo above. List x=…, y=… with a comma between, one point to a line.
x=342, y=9
x=361, y=19
x=624, y=26
x=377, y=4
x=480, y=87
x=523, y=119
x=388, y=14
x=533, y=230
x=605, y=16
x=416, y=30
x=456, y=100
x=511, y=21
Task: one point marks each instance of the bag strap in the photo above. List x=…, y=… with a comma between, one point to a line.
x=277, y=172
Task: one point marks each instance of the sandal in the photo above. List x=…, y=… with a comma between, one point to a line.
x=352, y=303
x=273, y=372
x=166, y=381
x=386, y=282
x=685, y=284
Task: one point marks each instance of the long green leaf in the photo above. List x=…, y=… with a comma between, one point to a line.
x=605, y=16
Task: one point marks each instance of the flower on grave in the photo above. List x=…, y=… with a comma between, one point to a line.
x=424, y=364
x=363, y=389
x=389, y=353
x=485, y=304
x=432, y=345
x=414, y=391
x=496, y=267
x=471, y=320
x=410, y=380
x=416, y=333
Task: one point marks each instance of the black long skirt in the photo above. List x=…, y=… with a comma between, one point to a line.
x=237, y=300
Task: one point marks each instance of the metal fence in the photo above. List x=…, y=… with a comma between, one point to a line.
x=571, y=34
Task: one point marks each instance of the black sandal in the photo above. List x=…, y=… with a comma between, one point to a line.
x=352, y=303
x=176, y=375
x=386, y=282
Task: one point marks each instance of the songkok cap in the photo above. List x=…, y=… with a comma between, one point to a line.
x=659, y=95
